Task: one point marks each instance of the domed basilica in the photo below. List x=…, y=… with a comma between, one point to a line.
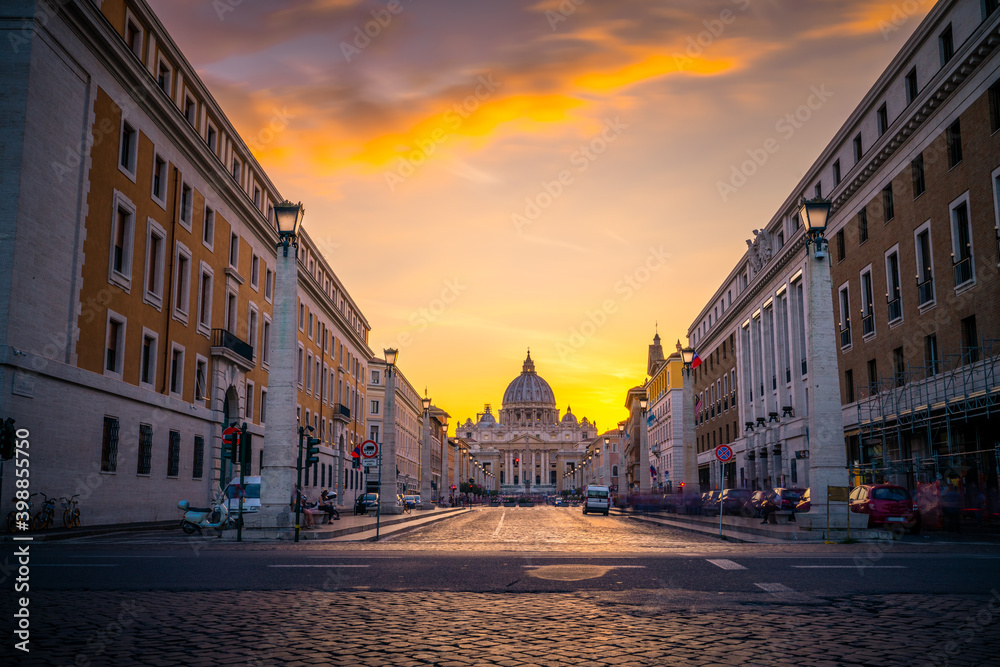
x=530, y=449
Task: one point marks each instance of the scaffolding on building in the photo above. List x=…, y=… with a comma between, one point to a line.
x=931, y=403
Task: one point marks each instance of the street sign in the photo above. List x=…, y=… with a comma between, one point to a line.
x=369, y=463
x=724, y=453
x=369, y=449
x=230, y=435
x=839, y=494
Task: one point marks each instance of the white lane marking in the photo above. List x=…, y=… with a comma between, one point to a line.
x=615, y=567
x=848, y=567
x=725, y=564
x=774, y=588
x=496, y=532
x=321, y=565
x=74, y=564
x=114, y=556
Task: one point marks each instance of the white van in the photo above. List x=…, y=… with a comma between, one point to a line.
x=596, y=499
x=251, y=497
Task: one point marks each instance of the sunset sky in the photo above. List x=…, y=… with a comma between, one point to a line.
x=489, y=176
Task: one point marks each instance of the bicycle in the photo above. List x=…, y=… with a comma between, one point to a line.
x=12, y=515
x=71, y=513
x=45, y=515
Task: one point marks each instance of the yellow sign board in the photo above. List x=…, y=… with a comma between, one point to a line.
x=838, y=493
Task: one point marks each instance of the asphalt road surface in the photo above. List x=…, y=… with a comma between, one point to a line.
x=502, y=586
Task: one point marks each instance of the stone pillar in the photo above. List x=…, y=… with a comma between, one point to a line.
x=278, y=472
x=387, y=488
x=645, y=480
x=341, y=467
x=425, y=464
x=687, y=467
x=458, y=478
x=827, y=455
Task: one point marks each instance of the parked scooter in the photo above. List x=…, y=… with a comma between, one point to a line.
x=196, y=518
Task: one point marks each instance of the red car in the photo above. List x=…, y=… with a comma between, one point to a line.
x=886, y=505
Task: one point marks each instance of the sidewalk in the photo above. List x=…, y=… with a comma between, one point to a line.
x=350, y=528
x=739, y=529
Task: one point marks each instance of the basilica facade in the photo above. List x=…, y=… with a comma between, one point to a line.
x=528, y=449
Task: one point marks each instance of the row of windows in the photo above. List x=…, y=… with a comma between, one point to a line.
x=714, y=438
x=931, y=362
x=145, y=460
x=197, y=113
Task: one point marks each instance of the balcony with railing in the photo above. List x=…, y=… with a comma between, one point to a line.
x=963, y=271
x=895, y=309
x=868, y=324
x=845, y=341
x=925, y=290
x=233, y=348
x=341, y=412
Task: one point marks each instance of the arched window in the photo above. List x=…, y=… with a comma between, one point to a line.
x=614, y=471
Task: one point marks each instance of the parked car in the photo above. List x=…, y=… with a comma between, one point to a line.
x=411, y=501
x=886, y=505
x=804, y=505
x=710, y=502
x=789, y=498
x=752, y=506
x=733, y=500
x=250, y=494
x=365, y=501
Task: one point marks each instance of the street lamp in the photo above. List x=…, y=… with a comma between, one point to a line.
x=815, y=213
x=387, y=484
x=279, y=457
x=425, y=456
x=687, y=356
x=645, y=480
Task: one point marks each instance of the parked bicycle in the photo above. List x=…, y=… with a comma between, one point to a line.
x=71, y=513
x=46, y=515
x=12, y=515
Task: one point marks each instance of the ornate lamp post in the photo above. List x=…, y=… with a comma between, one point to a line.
x=689, y=456
x=827, y=456
x=645, y=480
x=279, y=458
x=425, y=456
x=388, y=487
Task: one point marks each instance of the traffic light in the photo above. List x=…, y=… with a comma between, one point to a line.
x=7, y=439
x=312, y=451
x=355, y=463
x=517, y=460
x=246, y=448
x=230, y=444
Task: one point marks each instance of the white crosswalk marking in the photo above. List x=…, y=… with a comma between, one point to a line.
x=321, y=565
x=725, y=564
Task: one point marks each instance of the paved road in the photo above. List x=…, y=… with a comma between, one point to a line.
x=541, y=586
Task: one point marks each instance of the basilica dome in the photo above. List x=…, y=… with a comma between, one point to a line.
x=528, y=387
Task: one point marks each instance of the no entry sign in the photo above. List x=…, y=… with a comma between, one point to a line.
x=724, y=453
x=369, y=449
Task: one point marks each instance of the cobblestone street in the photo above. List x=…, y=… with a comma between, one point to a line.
x=513, y=587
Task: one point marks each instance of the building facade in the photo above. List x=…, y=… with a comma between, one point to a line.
x=914, y=253
x=530, y=449
x=137, y=288
x=665, y=389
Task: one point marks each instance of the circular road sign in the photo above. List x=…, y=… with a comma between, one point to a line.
x=724, y=453
x=369, y=449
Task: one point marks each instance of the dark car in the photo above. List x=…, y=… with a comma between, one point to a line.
x=753, y=505
x=365, y=501
x=710, y=502
x=886, y=505
x=733, y=500
x=789, y=498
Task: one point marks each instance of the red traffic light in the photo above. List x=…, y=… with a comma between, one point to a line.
x=453, y=487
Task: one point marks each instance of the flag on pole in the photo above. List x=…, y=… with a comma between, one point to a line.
x=696, y=360
x=356, y=452
x=697, y=404
x=652, y=471
x=650, y=419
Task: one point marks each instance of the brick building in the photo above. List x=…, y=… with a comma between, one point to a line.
x=914, y=252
